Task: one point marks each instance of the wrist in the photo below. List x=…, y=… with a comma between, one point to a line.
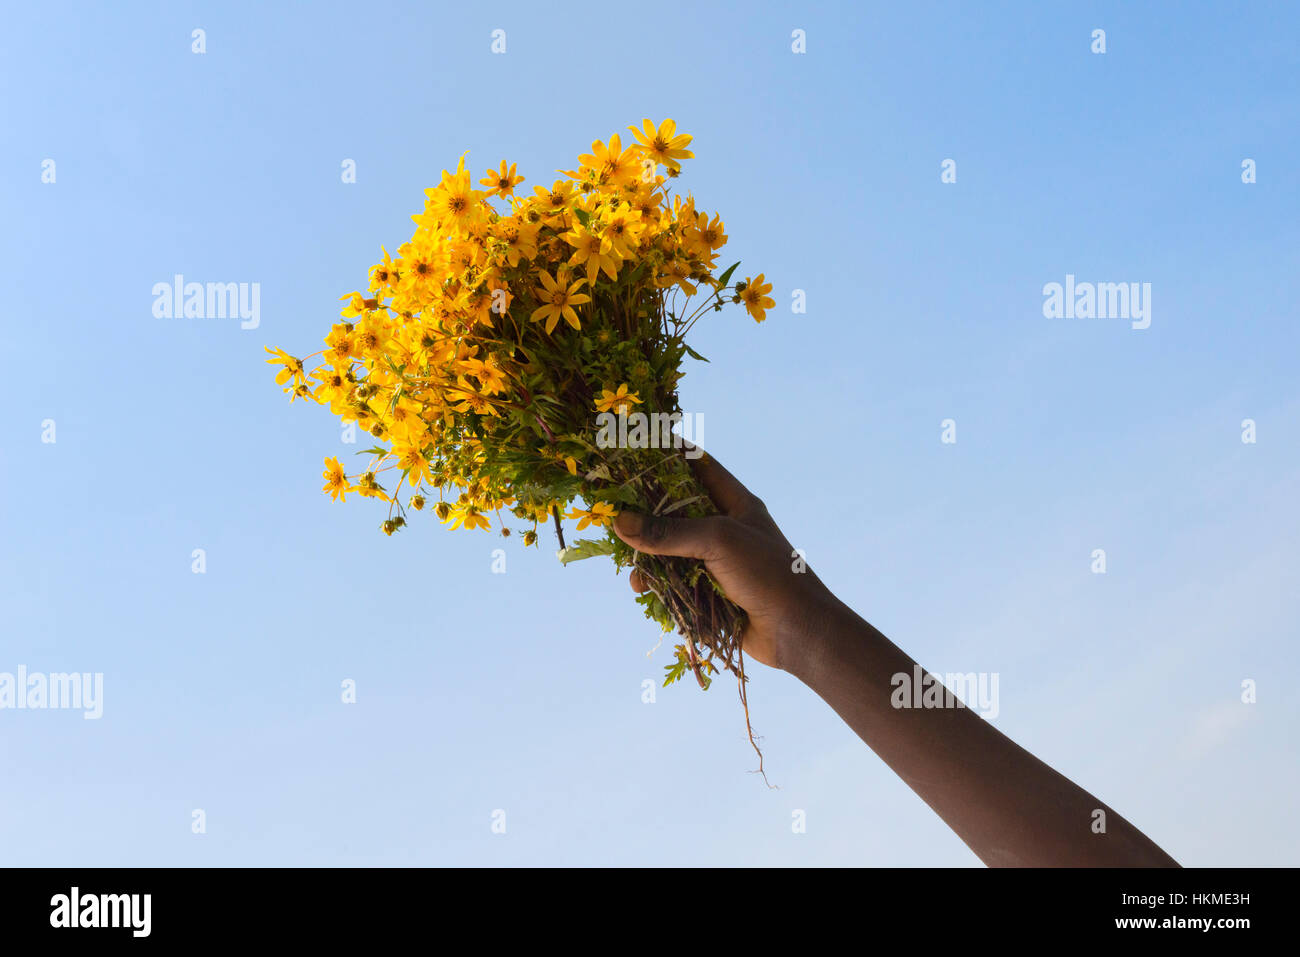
x=811, y=647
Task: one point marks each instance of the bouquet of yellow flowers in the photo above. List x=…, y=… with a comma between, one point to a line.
x=522, y=352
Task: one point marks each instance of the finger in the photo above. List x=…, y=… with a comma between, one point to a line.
x=638, y=585
x=724, y=488
x=705, y=538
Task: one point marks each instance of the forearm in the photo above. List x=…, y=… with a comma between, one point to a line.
x=1010, y=808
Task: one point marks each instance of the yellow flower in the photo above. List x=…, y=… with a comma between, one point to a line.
x=372, y=334
x=420, y=269
x=609, y=165
x=342, y=344
x=677, y=272
x=384, y=274
x=414, y=463
x=707, y=237
x=471, y=402
x=292, y=367
x=453, y=202
x=594, y=250
x=663, y=145
x=334, y=385
x=557, y=197
x=756, y=299
x=336, y=482
x=616, y=401
x=356, y=304
x=520, y=241
x=467, y=516
x=598, y=515
x=559, y=302
x=502, y=182
x=489, y=376
x=623, y=231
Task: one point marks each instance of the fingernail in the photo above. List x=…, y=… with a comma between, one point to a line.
x=629, y=524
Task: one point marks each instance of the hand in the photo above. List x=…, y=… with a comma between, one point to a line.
x=748, y=556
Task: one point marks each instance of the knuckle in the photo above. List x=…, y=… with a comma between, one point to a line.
x=657, y=529
x=726, y=533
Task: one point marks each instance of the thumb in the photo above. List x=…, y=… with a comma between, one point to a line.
x=705, y=538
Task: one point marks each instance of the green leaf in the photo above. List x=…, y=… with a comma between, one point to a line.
x=374, y=450
x=675, y=671
x=585, y=548
x=655, y=610
x=726, y=276
x=584, y=217
x=622, y=495
x=693, y=353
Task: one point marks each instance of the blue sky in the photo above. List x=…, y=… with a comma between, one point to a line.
x=523, y=691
